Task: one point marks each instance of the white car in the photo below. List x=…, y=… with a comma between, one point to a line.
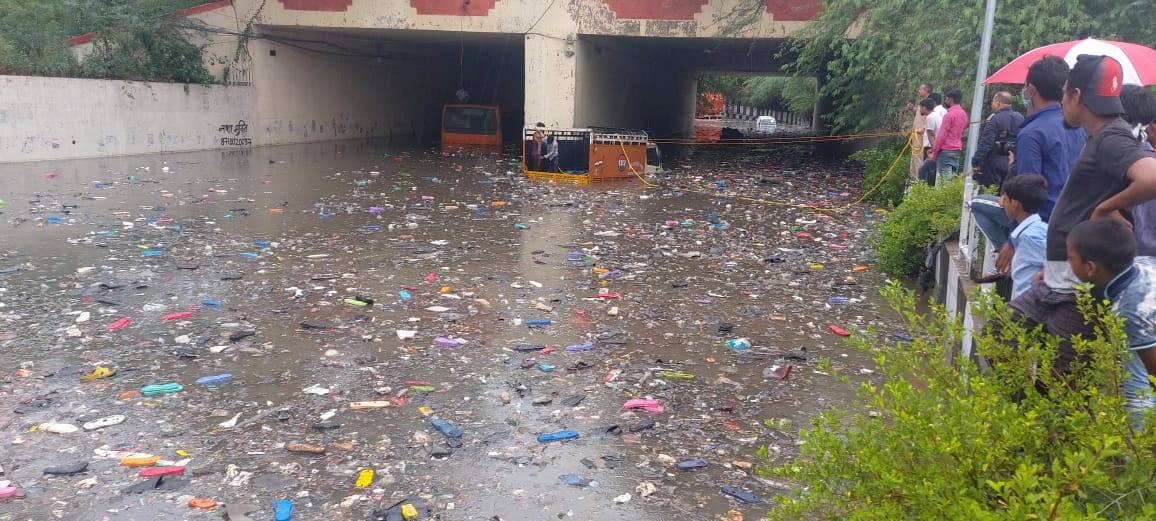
x=766, y=125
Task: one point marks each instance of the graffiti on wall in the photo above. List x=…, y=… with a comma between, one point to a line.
x=235, y=135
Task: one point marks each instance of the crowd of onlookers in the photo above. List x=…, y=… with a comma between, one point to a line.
x=1074, y=182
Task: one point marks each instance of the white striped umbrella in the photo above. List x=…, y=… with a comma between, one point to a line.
x=1138, y=61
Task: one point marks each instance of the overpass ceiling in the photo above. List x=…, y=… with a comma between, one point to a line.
x=752, y=56
x=412, y=43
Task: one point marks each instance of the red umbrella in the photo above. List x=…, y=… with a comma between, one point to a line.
x=1138, y=61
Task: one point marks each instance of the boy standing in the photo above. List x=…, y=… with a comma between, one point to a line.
x=1022, y=198
x=1102, y=251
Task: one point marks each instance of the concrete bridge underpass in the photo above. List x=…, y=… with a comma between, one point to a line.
x=337, y=69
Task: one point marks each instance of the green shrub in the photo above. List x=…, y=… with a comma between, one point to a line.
x=876, y=162
x=926, y=214
x=942, y=441
x=138, y=39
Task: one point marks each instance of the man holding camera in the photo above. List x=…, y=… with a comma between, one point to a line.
x=989, y=165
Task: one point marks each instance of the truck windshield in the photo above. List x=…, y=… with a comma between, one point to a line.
x=469, y=120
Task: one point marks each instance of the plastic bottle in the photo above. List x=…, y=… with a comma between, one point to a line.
x=557, y=436
x=539, y=322
x=838, y=299
x=675, y=375
x=739, y=344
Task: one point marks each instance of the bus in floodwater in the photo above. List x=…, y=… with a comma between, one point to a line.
x=471, y=126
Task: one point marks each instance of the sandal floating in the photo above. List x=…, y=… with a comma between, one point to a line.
x=58, y=428
x=153, y=390
x=139, y=461
x=282, y=510
x=98, y=373
x=107, y=421
x=153, y=472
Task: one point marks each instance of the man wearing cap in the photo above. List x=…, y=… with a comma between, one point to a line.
x=1111, y=174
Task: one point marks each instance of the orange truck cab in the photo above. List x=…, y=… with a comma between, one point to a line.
x=585, y=154
x=471, y=126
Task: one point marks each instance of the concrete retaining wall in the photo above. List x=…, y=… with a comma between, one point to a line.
x=59, y=118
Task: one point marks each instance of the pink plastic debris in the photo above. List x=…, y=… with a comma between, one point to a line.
x=643, y=404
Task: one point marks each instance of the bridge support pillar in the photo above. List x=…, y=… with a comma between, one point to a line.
x=551, y=68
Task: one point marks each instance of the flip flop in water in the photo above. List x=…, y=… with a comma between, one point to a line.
x=107, y=421
x=282, y=510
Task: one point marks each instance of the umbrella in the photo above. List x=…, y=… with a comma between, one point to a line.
x=1138, y=61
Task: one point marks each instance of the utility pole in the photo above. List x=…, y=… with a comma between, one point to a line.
x=980, y=75
x=968, y=235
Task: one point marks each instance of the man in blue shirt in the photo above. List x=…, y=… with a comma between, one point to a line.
x=1022, y=198
x=1043, y=146
x=1102, y=251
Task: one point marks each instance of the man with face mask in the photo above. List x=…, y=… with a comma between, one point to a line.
x=1042, y=146
x=1111, y=174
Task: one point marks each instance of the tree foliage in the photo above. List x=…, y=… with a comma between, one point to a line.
x=878, y=162
x=933, y=440
x=789, y=93
x=782, y=93
x=138, y=39
x=899, y=43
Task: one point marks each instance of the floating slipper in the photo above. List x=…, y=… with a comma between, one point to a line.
x=8, y=492
x=215, y=379
x=838, y=330
x=139, y=461
x=98, y=373
x=58, y=428
x=107, y=421
x=153, y=472
x=152, y=390
x=282, y=510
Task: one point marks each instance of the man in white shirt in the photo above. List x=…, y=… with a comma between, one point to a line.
x=931, y=124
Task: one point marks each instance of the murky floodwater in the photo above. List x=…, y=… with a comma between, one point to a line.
x=271, y=241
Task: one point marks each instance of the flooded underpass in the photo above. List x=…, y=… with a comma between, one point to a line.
x=357, y=326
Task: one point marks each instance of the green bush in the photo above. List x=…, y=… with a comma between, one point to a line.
x=138, y=40
x=926, y=214
x=942, y=441
x=876, y=161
